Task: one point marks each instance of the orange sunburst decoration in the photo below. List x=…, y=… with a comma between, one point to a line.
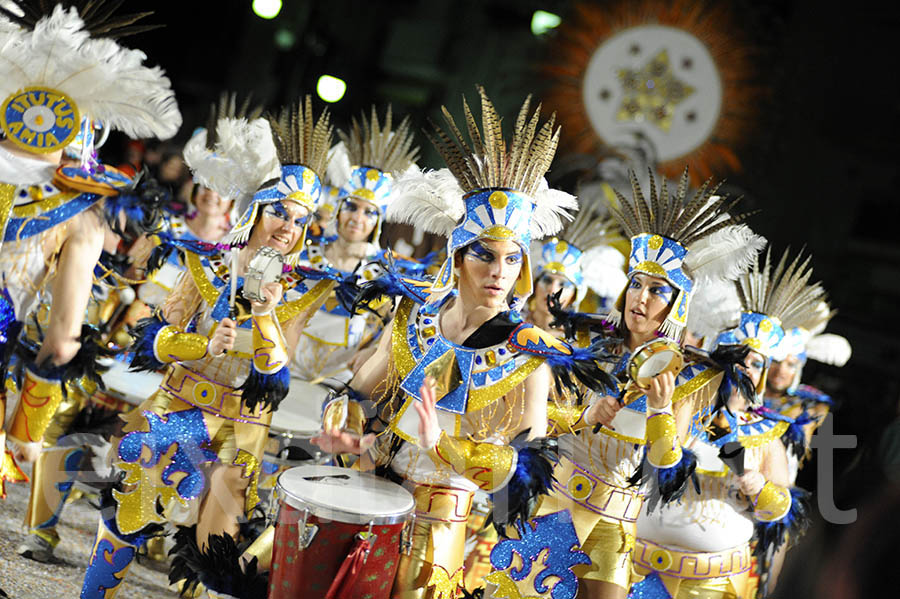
x=674, y=71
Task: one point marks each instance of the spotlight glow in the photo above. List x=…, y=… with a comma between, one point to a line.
x=266, y=9
x=331, y=89
x=543, y=21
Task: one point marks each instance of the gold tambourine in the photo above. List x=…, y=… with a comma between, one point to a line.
x=654, y=358
x=266, y=266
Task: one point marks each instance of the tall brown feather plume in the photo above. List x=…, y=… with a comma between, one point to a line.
x=488, y=162
x=371, y=144
x=674, y=216
x=301, y=140
x=784, y=293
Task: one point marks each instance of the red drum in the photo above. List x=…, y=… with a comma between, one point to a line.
x=338, y=535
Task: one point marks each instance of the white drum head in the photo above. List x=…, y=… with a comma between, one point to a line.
x=133, y=387
x=656, y=364
x=345, y=495
x=300, y=412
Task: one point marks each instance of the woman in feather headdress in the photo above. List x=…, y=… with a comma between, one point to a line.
x=226, y=361
x=60, y=75
x=701, y=545
x=677, y=244
x=374, y=154
x=459, y=383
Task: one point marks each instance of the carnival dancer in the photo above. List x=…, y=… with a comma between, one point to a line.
x=227, y=372
x=560, y=267
x=678, y=243
x=457, y=376
x=60, y=74
x=784, y=392
x=378, y=154
x=700, y=546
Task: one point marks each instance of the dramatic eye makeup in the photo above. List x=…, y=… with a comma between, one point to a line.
x=351, y=206
x=663, y=291
x=479, y=252
x=277, y=210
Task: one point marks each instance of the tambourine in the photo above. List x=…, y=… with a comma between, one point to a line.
x=653, y=358
x=265, y=267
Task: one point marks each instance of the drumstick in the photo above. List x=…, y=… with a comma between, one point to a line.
x=232, y=312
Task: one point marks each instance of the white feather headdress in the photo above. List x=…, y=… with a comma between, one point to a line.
x=107, y=81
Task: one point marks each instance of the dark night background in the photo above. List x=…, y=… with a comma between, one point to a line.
x=819, y=164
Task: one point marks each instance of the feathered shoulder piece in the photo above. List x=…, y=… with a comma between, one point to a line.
x=235, y=154
x=301, y=139
x=369, y=143
x=70, y=49
x=783, y=292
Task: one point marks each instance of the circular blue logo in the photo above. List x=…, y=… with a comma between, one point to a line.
x=39, y=119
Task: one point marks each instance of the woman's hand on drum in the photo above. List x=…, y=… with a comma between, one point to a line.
x=272, y=292
x=335, y=440
x=662, y=387
x=603, y=411
x=223, y=337
x=751, y=482
x=429, y=429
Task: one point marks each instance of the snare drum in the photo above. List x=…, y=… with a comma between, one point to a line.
x=338, y=528
x=266, y=266
x=653, y=358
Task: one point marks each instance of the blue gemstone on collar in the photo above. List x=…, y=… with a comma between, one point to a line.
x=501, y=351
x=478, y=359
x=430, y=341
x=427, y=321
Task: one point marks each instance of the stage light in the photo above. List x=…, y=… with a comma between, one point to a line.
x=331, y=89
x=285, y=39
x=543, y=21
x=266, y=9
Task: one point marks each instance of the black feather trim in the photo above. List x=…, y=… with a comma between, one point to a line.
x=666, y=484
x=218, y=567
x=266, y=390
x=730, y=359
x=533, y=477
x=143, y=204
x=572, y=321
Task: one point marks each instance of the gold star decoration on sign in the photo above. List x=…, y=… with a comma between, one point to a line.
x=651, y=93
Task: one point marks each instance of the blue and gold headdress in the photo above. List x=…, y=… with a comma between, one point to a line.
x=498, y=194
x=377, y=155
x=302, y=144
x=771, y=303
x=682, y=241
x=565, y=253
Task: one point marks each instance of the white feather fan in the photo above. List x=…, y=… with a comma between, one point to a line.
x=244, y=157
x=604, y=271
x=339, y=167
x=829, y=349
x=106, y=81
x=726, y=254
x=430, y=200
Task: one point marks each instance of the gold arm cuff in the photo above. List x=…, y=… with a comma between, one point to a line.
x=269, y=348
x=565, y=419
x=664, y=450
x=172, y=345
x=772, y=503
x=487, y=465
x=38, y=403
